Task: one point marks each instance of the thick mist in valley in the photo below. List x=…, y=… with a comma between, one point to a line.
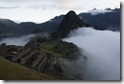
x=19, y=41
x=102, y=49
x=22, y=40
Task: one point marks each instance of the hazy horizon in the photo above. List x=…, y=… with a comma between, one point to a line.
x=43, y=10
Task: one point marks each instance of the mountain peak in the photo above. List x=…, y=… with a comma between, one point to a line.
x=69, y=22
x=71, y=13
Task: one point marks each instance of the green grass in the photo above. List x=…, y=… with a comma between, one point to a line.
x=13, y=71
x=49, y=48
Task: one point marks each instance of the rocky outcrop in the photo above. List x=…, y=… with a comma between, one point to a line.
x=70, y=21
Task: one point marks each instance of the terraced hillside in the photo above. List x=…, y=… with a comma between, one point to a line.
x=14, y=71
x=43, y=57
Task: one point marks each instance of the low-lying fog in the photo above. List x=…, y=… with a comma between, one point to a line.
x=22, y=40
x=102, y=49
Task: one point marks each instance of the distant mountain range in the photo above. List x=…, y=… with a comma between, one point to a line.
x=101, y=21
x=108, y=20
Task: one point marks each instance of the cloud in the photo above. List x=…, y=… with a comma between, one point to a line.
x=67, y=4
x=70, y=4
x=12, y=7
x=18, y=1
x=42, y=5
x=43, y=10
x=19, y=41
x=99, y=11
x=22, y=40
x=102, y=49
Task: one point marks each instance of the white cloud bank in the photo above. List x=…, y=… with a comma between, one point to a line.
x=102, y=49
x=22, y=40
x=19, y=41
x=99, y=11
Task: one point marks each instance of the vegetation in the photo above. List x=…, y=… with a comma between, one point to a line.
x=49, y=48
x=13, y=71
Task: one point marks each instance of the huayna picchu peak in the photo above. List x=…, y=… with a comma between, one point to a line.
x=69, y=22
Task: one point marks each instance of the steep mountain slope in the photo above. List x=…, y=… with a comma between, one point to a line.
x=69, y=22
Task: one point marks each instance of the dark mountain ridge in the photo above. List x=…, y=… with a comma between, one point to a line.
x=109, y=21
x=104, y=21
x=9, y=26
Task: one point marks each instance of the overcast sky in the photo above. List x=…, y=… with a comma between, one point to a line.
x=43, y=10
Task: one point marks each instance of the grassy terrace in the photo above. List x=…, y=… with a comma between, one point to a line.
x=13, y=71
x=49, y=48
